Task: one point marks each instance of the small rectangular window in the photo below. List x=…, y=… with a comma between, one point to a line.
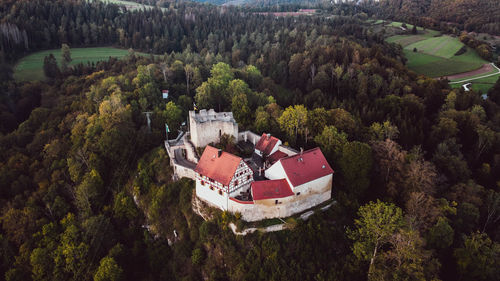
x=276, y=202
x=248, y=177
x=298, y=193
x=211, y=187
x=220, y=192
x=236, y=182
x=202, y=183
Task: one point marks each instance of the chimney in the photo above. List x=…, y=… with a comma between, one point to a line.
x=301, y=153
x=219, y=153
x=268, y=136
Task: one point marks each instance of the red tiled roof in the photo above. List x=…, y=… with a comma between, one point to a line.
x=270, y=189
x=276, y=156
x=307, y=167
x=265, y=144
x=219, y=168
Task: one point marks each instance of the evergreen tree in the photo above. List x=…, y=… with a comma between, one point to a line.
x=50, y=68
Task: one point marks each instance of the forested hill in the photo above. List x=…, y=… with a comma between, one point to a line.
x=470, y=15
x=86, y=188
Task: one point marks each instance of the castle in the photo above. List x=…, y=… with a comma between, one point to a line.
x=276, y=182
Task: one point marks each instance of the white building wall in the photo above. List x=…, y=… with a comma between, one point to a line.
x=317, y=185
x=286, y=207
x=275, y=148
x=311, y=194
x=276, y=172
x=211, y=196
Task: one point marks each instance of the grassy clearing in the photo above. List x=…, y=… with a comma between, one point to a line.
x=442, y=46
x=400, y=24
x=31, y=66
x=483, y=84
x=434, y=66
x=133, y=6
x=435, y=56
x=405, y=40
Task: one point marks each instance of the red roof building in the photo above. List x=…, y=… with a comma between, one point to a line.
x=270, y=189
x=267, y=145
x=305, y=167
x=276, y=156
x=218, y=165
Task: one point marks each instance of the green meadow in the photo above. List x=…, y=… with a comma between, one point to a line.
x=434, y=55
x=130, y=5
x=31, y=66
x=482, y=84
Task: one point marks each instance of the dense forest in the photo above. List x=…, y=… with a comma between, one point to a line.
x=86, y=190
x=469, y=15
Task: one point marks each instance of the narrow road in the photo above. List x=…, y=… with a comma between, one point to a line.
x=179, y=158
x=486, y=68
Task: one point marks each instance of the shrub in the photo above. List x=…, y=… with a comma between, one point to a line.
x=461, y=51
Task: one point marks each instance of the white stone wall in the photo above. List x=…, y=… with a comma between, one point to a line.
x=311, y=194
x=286, y=207
x=183, y=172
x=248, y=136
x=210, y=129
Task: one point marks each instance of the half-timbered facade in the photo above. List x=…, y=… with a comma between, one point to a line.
x=221, y=175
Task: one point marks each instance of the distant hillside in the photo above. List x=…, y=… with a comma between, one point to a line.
x=471, y=15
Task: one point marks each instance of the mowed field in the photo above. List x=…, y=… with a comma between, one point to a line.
x=31, y=66
x=434, y=56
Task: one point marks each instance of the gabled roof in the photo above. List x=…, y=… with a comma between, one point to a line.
x=220, y=168
x=266, y=143
x=277, y=155
x=306, y=167
x=270, y=189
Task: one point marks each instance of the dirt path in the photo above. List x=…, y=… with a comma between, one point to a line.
x=484, y=69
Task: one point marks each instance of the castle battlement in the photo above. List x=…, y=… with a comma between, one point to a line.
x=208, y=126
x=211, y=115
